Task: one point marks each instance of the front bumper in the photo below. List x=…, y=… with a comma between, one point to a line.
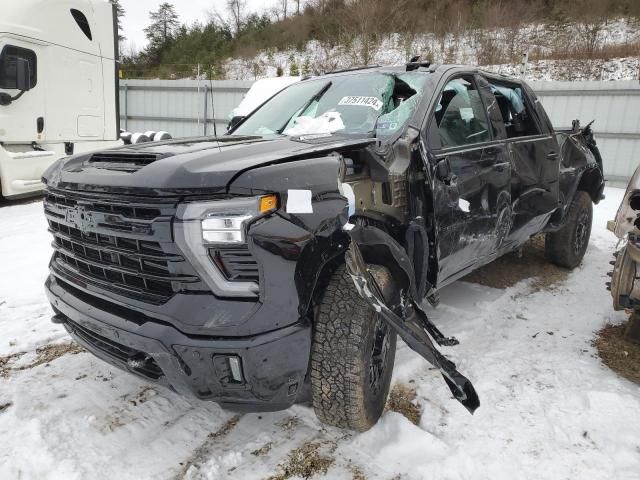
x=274, y=364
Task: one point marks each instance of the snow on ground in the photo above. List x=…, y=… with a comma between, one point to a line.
x=550, y=409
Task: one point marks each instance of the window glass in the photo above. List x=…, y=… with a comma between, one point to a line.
x=370, y=103
x=460, y=115
x=493, y=111
x=82, y=22
x=9, y=59
x=515, y=112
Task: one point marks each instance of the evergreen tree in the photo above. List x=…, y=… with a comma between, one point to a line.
x=120, y=12
x=164, y=25
x=294, y=71
x=306, y=68
x=161, y=32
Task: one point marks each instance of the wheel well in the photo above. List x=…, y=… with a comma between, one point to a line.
x=323, y=280
x=591, y=182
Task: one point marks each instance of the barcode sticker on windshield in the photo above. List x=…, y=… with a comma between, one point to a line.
x=372, y=102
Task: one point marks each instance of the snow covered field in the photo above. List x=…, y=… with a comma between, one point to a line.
x=550, y=409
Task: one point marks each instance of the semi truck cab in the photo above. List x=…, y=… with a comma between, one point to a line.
x=58, y=86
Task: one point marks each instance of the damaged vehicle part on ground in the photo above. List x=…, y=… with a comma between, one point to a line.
x=276, y=264
x=625, y=282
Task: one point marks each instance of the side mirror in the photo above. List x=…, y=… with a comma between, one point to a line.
x=235, y=121
x=23, y=75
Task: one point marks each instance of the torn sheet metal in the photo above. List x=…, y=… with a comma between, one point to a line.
x=411, y=329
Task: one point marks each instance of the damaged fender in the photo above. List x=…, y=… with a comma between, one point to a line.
x=414, y=327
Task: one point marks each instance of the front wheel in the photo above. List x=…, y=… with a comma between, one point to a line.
x=567, y=246
x=352, y=354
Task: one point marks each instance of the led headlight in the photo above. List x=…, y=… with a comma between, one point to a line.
x=199, y=225
x=225, y=228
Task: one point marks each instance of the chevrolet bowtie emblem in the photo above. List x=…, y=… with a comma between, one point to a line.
x=80, y=218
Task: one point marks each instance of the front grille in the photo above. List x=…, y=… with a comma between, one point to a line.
x=237, y=264
x=125, y=248
x=129, y=211
x=144, y=364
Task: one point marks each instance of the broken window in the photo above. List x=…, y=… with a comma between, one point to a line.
x=371, y=103
x=514, y=109
x=405, y=97
x=460, y=115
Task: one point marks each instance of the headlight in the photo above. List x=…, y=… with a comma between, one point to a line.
x=200, y=225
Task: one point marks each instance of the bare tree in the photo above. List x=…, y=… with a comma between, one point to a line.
x=364, y=24
x=280, y=10
x=592, y=17
x=237, y=11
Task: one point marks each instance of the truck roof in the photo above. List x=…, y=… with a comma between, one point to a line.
x=432, y=69
x=59, y=23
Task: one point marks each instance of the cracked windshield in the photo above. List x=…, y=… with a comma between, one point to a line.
x=373, y=104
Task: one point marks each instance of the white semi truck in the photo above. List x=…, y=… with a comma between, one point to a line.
x=58, y=86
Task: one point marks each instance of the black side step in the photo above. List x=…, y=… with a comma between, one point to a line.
x=414, y=330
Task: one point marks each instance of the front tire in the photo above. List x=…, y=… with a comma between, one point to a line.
x=352, y=355
x=567, y=246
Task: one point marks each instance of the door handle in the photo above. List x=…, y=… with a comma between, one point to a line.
x=552, y=155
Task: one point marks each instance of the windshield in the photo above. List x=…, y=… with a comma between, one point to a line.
x=371, y=103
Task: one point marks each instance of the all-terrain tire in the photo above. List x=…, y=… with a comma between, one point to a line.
x=350, y=389
x=567, y=246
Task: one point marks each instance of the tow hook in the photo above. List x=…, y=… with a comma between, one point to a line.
x=415, y=329
x=138, y=361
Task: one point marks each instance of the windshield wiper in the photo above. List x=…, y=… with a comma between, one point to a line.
x=315, y=98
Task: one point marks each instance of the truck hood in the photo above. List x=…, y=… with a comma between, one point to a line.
x=187, y=166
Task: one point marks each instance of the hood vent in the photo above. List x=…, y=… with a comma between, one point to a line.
x=125, y=161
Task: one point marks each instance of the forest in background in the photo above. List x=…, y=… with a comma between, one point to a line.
x=297, y=37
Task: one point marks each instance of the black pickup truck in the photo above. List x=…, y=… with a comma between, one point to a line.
x=276, y=264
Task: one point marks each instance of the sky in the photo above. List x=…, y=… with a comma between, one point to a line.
x=137, y=14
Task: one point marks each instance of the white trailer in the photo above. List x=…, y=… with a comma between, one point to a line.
x=58, y=86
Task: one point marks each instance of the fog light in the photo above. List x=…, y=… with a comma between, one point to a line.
x=228, y=369
x=236, y=369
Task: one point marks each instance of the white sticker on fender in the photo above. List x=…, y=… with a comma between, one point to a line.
x=299, y=201
x=372, y=102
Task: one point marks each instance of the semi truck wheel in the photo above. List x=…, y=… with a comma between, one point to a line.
x=352, y=354
x=567, y=246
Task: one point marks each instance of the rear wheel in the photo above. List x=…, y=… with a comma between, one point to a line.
x=567, y=246
x=352, y=355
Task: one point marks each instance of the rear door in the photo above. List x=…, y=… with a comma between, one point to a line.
x=534, y=154
x=470, y=177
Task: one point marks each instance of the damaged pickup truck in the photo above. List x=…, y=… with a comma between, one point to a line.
x=277, y=263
